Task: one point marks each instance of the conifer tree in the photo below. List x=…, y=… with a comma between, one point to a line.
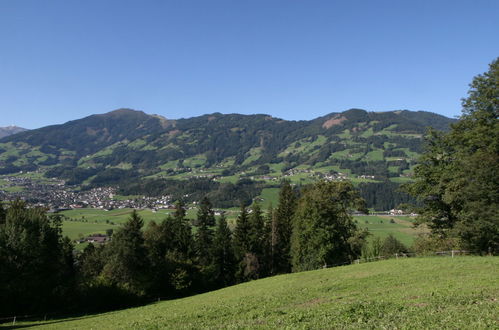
x=242, y=244
x=241, y=236
x=127, y=264
x=36, y=262
x=204, y=234
x=269, y=242
x=256, y=231
x=283, y=228
x=182, y=231
x=2, y=213
x=223, y=254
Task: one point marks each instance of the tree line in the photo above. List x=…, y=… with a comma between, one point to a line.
x=39, y=271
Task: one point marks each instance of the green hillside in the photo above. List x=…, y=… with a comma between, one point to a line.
x=149, y=155
x=432, y=293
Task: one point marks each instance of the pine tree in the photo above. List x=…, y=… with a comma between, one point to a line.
x=223, y=254
x=3, y=213
x=127, y=264
x=36, y=261
x=283, y=228
x=256, y=231
x=241, y=236
x=242, y=244
x=269, y=242
x=204, y=234
x=182, y=231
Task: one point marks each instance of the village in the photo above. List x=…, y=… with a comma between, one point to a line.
x=56, y=196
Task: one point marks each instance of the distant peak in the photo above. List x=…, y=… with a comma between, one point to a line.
x=122, y=111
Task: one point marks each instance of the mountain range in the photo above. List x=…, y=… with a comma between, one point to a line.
x=137, y=151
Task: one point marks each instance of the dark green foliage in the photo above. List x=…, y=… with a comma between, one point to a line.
x=283, y=220
x=204, y=235
x=383, y=196
x=36, y=263
x=222, y=195
x=224, y=260
x=127, y=257
x=324, y=232
x=457, y=179
x=170, y=247
x=391, y=246
x=3, y=214
x=242, y=230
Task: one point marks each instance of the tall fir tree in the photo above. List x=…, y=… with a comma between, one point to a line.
x=183, y=231
x=242, y=244
x=283, y=228
x=269, y=242
x=127, y=264
x=204, y=235
x=224, y=260
x=241, y=235
x=36, y=261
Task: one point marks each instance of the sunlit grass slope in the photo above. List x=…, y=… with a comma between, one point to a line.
x=439, y=292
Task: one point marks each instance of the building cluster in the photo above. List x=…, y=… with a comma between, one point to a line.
x=55, y=195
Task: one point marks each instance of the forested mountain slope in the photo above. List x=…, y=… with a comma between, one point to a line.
x=124, y=146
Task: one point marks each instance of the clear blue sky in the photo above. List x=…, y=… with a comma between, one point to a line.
x=294, y=59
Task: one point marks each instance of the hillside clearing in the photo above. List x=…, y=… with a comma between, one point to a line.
x=405, y=293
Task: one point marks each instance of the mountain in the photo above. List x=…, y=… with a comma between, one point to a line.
x=124, y=147
x=9, y=130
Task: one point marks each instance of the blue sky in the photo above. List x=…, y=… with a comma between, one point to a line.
x=293, y=59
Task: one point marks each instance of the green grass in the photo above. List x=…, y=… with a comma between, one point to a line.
x=374, y=155
x=270, y=196
x=380, y=226
x=412, y=293
x=117, y=216
x=401, y=179
x=77, y=229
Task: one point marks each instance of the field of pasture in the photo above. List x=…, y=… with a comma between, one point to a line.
x=409, y=293
x=84, y=222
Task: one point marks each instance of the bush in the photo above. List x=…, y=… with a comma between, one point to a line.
x=428, y=244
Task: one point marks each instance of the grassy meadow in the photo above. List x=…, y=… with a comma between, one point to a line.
x=412, y=293
x=85, y=222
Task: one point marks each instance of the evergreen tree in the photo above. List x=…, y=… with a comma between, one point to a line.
x=223, y=254
x=241, y=236
x=36, y=261
x=324, y=232
x=3, y=213
x=127, y=264
x=283, y=228
x=254, y=257
x=170, y=247
x=242, y=243
x=182, y=231
x=204, y=234
x=269, y=242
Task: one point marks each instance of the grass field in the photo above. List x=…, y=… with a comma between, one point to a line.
x=380, y=226
x=413, y=293
x=93, y=221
